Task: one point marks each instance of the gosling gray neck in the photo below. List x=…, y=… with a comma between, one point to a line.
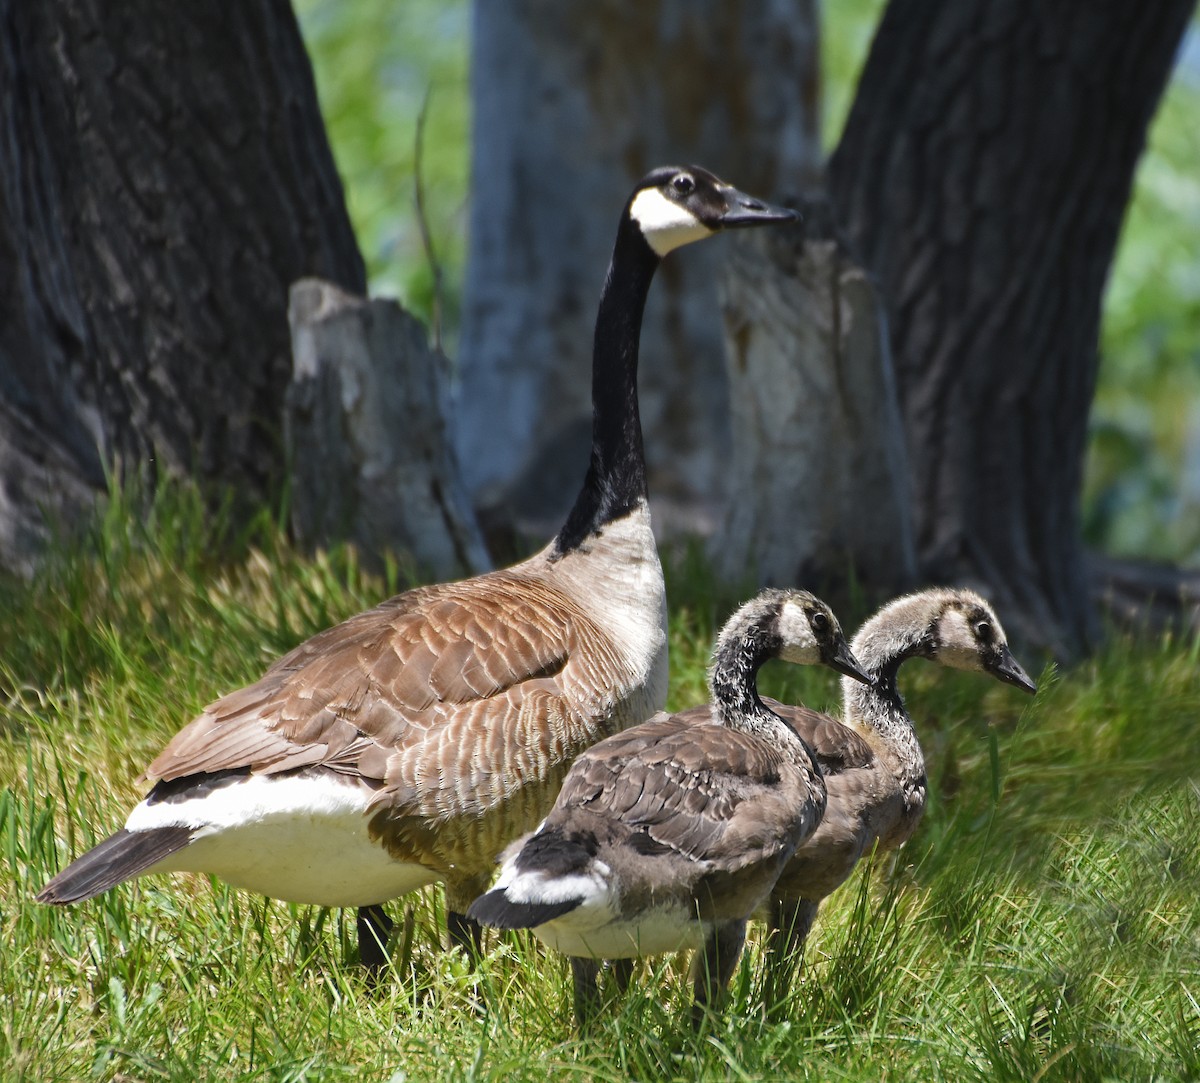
x=742, y=650
x=882, y=645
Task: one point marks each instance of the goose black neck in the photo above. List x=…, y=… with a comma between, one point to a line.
x=734, y=676
x=616, y=477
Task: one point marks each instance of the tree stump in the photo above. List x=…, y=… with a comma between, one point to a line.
x=819, y=475
x=366, y=426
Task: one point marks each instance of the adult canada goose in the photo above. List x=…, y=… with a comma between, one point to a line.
x=410, y=743
x=669, y=835
x=873, y=766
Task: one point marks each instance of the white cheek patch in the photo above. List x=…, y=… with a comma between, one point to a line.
x=665, y=225
x=959, y=648
x=800, y=646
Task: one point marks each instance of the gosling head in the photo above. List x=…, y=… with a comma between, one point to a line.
x=967, y=635
x=675, y=205
x=789, y=624
x=811, y=635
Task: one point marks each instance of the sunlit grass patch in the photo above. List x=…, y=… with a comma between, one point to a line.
x=1044, y=922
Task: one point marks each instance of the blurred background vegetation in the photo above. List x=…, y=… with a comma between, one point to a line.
x=383, y=68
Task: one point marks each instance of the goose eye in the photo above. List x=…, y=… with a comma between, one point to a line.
x=983, y=630
x=819, y=622
x=683, y=184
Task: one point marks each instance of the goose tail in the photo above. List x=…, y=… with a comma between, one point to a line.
x=119, y=857
x=549, y=875
x=500, y=910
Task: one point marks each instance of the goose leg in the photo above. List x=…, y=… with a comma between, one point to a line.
x=713, y=967
x=585, y=973
x=466, y=934
x=374, y=926
x=622, y=974
x=791, y=922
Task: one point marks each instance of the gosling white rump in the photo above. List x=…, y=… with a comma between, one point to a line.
x=592, y=925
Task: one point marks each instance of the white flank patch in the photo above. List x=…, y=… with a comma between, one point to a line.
x=301, y=839
x=799, y=644
x=666, y=225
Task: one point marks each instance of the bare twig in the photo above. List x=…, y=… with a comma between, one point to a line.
x=423, y=222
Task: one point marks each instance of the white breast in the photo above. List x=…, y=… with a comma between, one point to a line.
x=618, y=580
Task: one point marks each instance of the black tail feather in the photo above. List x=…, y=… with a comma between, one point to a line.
x=120, y=857
x=498, y=911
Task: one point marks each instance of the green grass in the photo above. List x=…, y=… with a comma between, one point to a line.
x=1044, y=923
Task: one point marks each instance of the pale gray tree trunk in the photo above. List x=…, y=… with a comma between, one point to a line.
x=572, y=103
x=366, y=425
x=164, y=177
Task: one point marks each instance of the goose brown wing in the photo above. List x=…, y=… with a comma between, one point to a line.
x=837, y=747
x=476, y=653
x=712, y=794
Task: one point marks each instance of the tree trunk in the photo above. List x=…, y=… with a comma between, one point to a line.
x=818, y=466
x=366, y=427
x=164, y=177
x=572, y=103
x=983, y=176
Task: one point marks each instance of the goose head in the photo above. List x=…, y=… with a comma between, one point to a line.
x=967, y=635
x=676, y=205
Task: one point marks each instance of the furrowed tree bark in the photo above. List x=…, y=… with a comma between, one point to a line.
x=164, y=177
x=983, y=175
x=572, y=103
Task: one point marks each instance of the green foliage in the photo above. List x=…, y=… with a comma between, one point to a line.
x=1044, y=923
x=1143, y=480
x=378, y=65
x=847, y=28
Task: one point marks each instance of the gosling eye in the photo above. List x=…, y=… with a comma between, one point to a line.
x=683, y=184
x=819, y=622
x=983, y=631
